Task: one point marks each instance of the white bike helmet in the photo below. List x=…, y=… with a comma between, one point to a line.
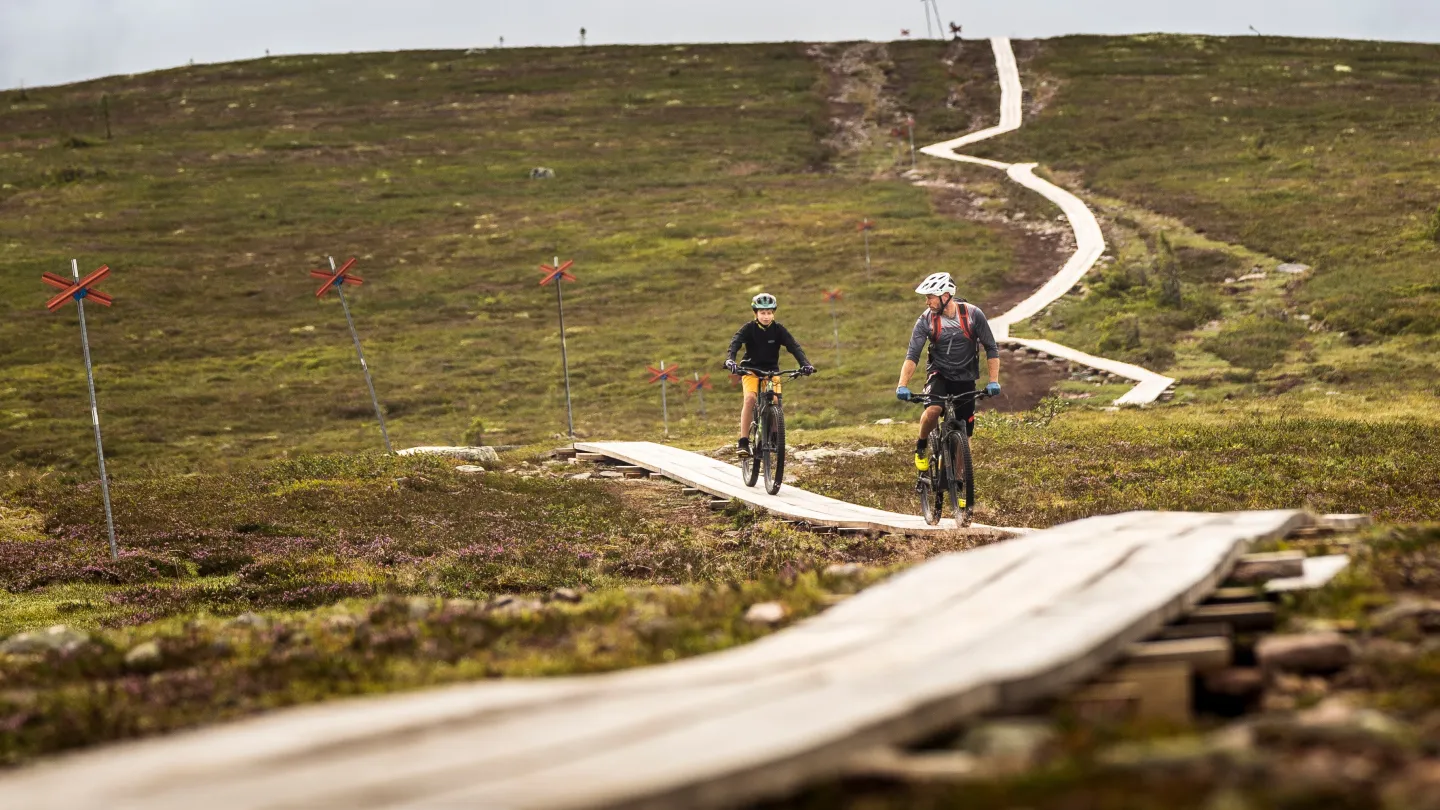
x=936, y=284
x=764, y=301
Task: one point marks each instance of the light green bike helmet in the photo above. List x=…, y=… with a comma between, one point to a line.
x=764, y=301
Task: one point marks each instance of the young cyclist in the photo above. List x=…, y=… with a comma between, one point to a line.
x=956, y=331
x=762, y=339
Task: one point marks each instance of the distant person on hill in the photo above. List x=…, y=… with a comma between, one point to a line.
x=762, y=339
x=955, y=331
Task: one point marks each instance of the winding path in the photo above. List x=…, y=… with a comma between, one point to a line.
x=1089, y=240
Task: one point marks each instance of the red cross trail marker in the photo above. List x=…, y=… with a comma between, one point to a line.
x=865, y=226
x=698, y=387
x=77, y=289
x=559, y=274
x=834, y=296
x=336, y=280
x=664, y=376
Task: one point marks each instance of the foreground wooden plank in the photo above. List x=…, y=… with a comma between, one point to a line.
x=961, y=634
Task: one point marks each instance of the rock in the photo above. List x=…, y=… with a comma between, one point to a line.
x=1416, y=788
x=470, y=468
x=1337, y=723
x=1388, y=651
x=144, y=657
x=1011, y=745
x=1251, y=277
x=821, y=453
x=542, y=173
x=249, y=620
x=609, y=474
x=1408, y=612
x=884, y=421
x=565, y=595
x=766, y=613
x=843, y=571
x=482, y=455
x=1235, y=681
x=56, y=639
x=1305, y=652
x=1293, y=268
x=514, y=606
x=419, y=606
x=585, y=476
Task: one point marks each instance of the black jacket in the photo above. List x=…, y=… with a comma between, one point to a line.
x=762, y=346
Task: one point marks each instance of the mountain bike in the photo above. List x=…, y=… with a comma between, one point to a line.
x=767, y=432
x=950, y=470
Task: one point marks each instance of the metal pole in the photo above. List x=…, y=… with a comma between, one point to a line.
x=95, y=416
x=664, y=404
x=866, y=232
x=564, y=356
x=939, y=26
x=910, y=125
x=926, y=5
x=700, y=391
x=835, y=320
x=340, y=290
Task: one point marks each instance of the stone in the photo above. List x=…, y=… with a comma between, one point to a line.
x=470, y=468
x=609, y=474
x=482, y=455
x=144, y=657
x=1305, y=652
x=766, y=613
x=1421, y=614
x=565, y=595
x=585, y=476
x=249, y=620
x=1235, y=681
x=1416, y=788
x=1388, y=651
x=542, y=173
x=1335, y=722
x=1011, y=745
x=1293, y=268
x=843, y=571
x=55, y=639
x=514, y=606
x=884, y=421
x=1251, y=277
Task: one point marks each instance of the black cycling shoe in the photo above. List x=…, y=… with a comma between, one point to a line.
x=742, y=448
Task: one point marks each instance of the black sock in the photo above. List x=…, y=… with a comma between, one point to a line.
x=920, y=446
x=744, y=439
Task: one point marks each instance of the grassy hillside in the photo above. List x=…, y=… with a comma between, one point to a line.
x=688, y=178
x=1266, y=149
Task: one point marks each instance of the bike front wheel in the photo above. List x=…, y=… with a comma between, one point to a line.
x=774, y=455
x=750, y=467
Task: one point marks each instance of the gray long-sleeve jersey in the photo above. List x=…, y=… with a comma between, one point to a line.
x=954, y=355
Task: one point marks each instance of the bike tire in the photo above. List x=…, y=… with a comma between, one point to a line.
x=750, y=467
x=931, y=500
x=775, y=451
x=966, y=483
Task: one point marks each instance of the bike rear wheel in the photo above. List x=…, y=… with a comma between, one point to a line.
x=750, y=467
x=774, y=455
x=962, y=478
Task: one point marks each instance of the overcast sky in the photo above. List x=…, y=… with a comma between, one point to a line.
x=55, y=41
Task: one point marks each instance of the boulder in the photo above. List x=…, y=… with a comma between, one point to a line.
x=480, y=455
x=144, y=657
x=770, y=613
x=1421, y=614
x=56, y=639
x=1011, y=745
x=1305, y=652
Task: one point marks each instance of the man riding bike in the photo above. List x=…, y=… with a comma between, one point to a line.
x=955, y=330
x=762, y=339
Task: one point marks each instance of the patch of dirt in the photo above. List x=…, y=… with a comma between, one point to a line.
x=858, y=101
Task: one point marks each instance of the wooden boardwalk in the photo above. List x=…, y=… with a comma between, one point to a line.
x=965, y=633
x=1089, y=239
x=722, y=480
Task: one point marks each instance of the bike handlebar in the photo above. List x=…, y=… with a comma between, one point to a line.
x=924, y=399
x=759, y=372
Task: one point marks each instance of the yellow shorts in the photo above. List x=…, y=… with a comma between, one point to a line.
x=750, y=384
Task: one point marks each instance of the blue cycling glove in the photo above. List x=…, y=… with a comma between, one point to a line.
x=993, y=389
x=903, y=394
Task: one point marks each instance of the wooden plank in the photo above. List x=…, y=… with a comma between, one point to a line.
x=592, y=456
x=1318, y=572
x=1195, y=630
x=1200, y=654
x=1242, y=594
x=1241, y=616
x=1257, y=568
x=1164, y=689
